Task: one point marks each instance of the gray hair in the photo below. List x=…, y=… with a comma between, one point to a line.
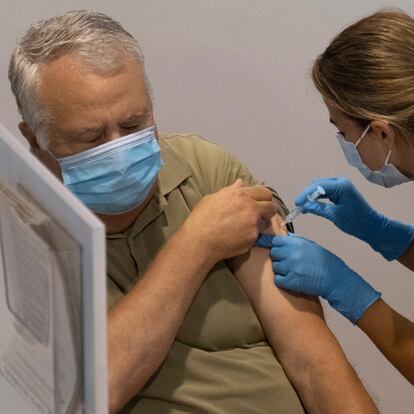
x=99, y=41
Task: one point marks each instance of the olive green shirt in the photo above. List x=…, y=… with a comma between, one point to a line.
x=220, y=361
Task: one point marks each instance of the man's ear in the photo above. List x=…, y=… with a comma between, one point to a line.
x=29, y=135
x=384, y=131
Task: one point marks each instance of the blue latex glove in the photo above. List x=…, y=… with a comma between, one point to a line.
x=305, y=267
x=265, y=240
x=353, y=215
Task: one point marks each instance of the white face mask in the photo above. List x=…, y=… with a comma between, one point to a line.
x=387, y=176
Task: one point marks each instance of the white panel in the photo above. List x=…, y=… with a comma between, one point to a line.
x=18, y=166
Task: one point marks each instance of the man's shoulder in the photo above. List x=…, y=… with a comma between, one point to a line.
x=189, y=143
x=211, y=165
x=200, y=154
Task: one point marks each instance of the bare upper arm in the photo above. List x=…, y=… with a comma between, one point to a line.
x=306, y=348
x=255, y=273
x=287, y=317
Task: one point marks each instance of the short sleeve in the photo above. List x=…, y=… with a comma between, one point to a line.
x=236, y=169
x=218, y=167
x=213, y=166
x=114, y=293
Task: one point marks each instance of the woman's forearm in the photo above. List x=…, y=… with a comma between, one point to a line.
x=407, y=259
x=393, y=335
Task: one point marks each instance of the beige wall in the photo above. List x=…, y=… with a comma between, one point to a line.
x=237, y=72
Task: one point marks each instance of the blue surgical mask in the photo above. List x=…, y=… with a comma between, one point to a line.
x=117, y=176
x=387, y=176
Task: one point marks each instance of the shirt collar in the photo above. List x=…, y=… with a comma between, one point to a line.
x=175, y=169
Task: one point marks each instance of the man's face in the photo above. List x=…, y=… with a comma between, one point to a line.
x=89, y=109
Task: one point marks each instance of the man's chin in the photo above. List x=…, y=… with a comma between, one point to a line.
x=121, y=221
x=118, y=216
x=115, y=223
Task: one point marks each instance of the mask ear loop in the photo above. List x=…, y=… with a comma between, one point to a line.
x=363, y=135
x=388, y=157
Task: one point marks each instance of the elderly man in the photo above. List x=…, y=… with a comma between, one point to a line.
x=188, y=331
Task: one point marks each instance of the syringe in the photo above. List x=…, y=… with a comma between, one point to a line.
x=297, y=210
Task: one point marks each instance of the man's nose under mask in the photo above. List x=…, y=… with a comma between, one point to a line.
x=115, y=177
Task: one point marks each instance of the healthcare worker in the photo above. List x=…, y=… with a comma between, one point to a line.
x=366, y=78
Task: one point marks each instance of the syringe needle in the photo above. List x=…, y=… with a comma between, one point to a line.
x=298, y=210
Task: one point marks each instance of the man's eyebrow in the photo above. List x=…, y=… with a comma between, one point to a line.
x=138, y=116
x=332, y=121
x=134, y=118
x=85, y=130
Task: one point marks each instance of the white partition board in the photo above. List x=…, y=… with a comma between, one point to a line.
x=18, y=166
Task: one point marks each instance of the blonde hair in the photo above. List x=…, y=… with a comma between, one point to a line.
x=99, y=41
x=367, y=71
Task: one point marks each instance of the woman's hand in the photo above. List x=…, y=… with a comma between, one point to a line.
x=353, y=215
x=303, y=266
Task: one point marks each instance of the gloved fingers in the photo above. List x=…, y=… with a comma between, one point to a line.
x=292, y=242
x=320, y=209
x=279, y=280
x=265, y=240
x=271, y=241
x=280, y=241
x=298, y=260
x=302, y=197
x=330, y=185
x=281, y=267
x=290, y=281
x=288, y=256
x=279, y=253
